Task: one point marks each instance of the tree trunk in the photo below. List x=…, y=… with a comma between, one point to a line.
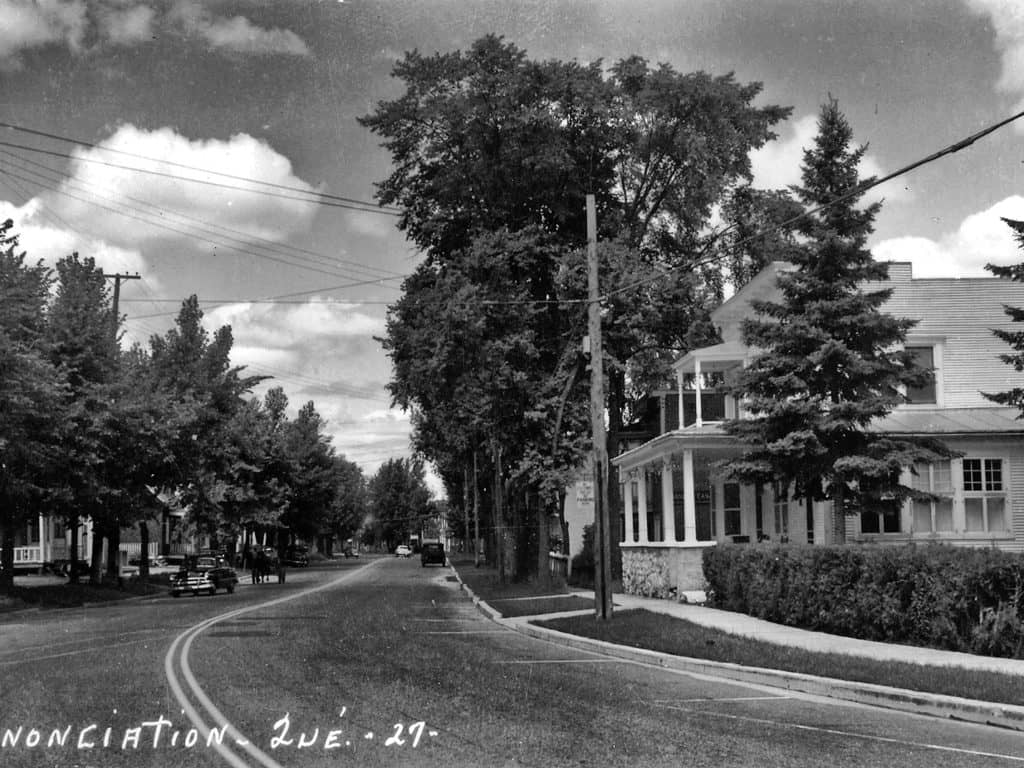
x=97, y=553
x=73, y=549
x=499, y=513
x=114, y=551
x=7, y=531
x=476, y=514
x=543, y=545
x=144, y=555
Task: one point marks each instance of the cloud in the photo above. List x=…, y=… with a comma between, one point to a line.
x=146, y=195
x=127, y=25
x=237, y=33
x=777, y=164
x=42, y=239
x=1007, y=17
x=981, y=238
x=26, y=24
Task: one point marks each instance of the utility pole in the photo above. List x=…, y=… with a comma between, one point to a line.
x=602, y=533
x=117, y=278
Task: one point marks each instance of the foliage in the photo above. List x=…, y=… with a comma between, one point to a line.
x=1015, y=339
x=830, y=363
x=398, y=500
x=935, y=596
x=33, y=392
x=493, y=156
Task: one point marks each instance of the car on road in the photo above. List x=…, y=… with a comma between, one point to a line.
x=297, y=555
x=402, y=551
x=204, y=574
x=432, y=552
x=154, y=562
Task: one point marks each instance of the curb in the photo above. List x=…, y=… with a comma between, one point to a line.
x=930, y=704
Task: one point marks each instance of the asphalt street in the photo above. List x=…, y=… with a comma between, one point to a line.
x=383, y=662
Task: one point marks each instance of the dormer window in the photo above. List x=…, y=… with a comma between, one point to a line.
x=925, y=357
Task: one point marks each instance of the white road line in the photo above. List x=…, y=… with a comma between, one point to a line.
x=465, y=632
x=565, y=661
x=232, y=734
x=91, y=649
x=850, y=734
x=713, y=699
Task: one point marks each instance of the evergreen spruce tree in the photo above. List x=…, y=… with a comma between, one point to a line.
x=1012, y=397
x=829, y=363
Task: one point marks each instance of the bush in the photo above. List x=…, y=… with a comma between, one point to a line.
x=932, y=596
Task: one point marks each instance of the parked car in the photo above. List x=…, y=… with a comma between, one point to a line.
x=154, y=562
x=432, y=552
x=297, y=555
x=350, y=551
x=204, y=574
x=402, y=551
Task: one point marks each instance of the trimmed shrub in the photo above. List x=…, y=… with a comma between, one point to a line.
x=931, y=596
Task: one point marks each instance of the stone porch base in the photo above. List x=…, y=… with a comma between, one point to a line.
x=665, y=571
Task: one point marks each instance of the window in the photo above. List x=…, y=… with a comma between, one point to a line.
x=984, y=495
x=883, y=516
x=933, y=516
x=925, y=358
x=780, y=510
x=731, y=508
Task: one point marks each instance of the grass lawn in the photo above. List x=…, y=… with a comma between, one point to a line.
x=658, y=632
x=70, y=595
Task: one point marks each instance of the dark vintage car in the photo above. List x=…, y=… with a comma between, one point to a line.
x=297, y=555
x=204, y=574
x=432, y=552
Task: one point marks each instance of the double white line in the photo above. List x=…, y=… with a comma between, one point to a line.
x=228, y=740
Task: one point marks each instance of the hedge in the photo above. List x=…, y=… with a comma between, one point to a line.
x=933, y=596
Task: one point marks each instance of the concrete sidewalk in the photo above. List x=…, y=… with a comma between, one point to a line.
x=937, y=705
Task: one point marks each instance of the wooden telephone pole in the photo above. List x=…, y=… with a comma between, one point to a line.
x=602, y=520
x=117, y=278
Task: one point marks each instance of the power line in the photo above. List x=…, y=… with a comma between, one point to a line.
x=860, y=189
x=79, y=142
x=54, y=177
x=317, y=200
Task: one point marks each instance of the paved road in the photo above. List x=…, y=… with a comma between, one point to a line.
x=386, y=663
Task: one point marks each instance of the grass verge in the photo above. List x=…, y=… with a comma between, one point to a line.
x=53, y=596
x=658, y=632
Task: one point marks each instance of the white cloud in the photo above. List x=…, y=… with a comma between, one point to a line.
x=237, y=33
x=127, y=25
x=41, y=239
x=777, y=164
x=981, y=238
x=26, y=24
x=1007, y=17
x=156, y=202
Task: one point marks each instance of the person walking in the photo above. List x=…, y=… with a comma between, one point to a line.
x=259, y=567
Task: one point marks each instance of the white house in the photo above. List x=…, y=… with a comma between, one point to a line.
x=676, y=503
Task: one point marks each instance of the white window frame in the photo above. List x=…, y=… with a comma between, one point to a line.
x=927, y=481
x=780, y=512
x=937, y=345
x=986, y=492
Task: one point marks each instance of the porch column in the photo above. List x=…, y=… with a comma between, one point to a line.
x=696, y=383
x=689, y=498
x=668, y=510
x=43, y=539
x=642, y=500
x=679, y=389
x=627, y=499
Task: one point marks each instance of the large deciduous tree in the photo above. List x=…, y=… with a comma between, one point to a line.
x=490, y=146
x=831, y=362
x=33, y=393
x=399, y=501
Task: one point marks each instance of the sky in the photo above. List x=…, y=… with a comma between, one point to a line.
x=131, y=130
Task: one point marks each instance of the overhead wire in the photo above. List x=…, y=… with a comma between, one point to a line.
x=200, y=230
x=100, y=147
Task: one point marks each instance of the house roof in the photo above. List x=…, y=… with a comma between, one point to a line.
x=952, y=421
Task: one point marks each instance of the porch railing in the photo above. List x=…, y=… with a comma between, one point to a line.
x=28, y=556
